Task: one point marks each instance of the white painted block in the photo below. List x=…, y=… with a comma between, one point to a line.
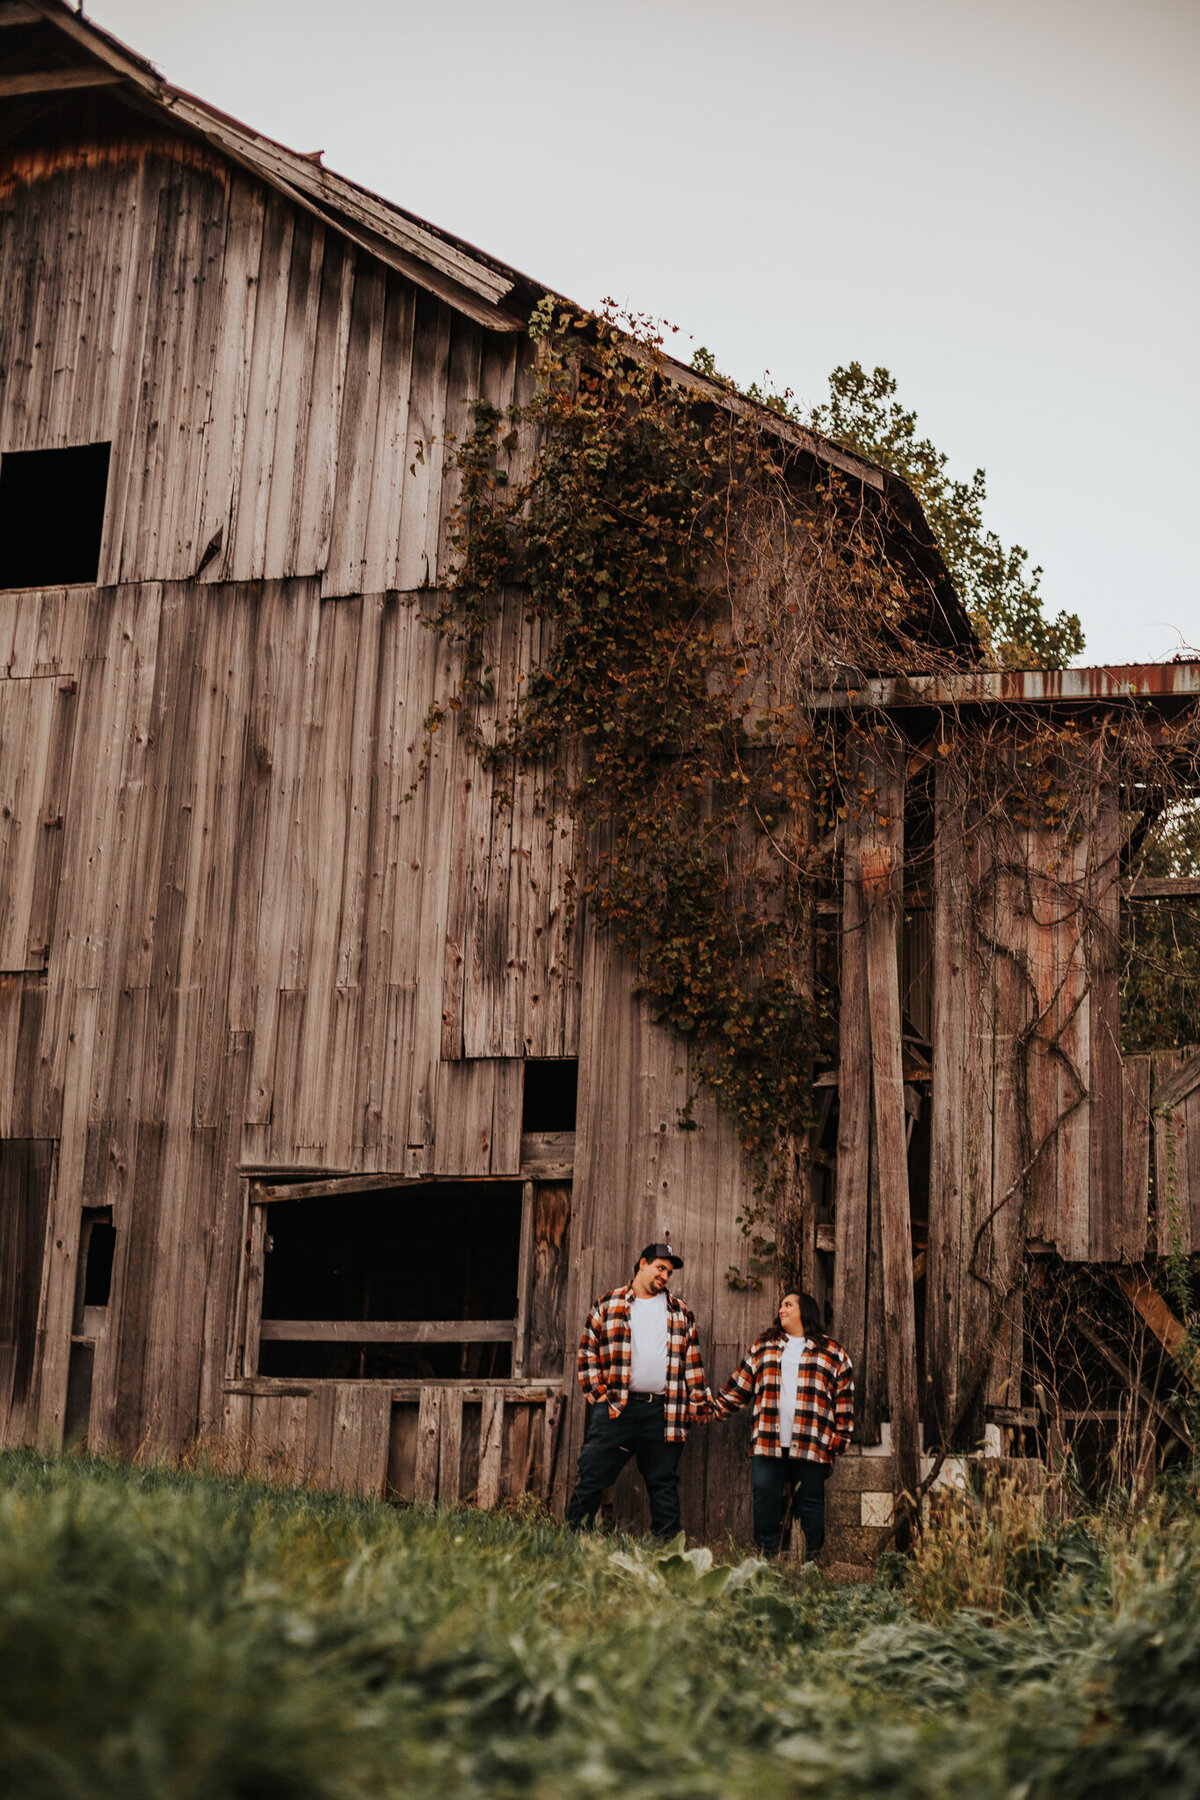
x=952, y=1474
x=877, y=1509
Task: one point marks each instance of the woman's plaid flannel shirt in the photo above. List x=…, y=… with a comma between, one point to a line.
x=606, y=1357
x=824, y=1420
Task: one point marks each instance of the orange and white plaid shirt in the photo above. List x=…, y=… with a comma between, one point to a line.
x=606, y=1357
x=824, y=1422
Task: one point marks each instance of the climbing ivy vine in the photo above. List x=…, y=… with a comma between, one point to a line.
x=697, y=587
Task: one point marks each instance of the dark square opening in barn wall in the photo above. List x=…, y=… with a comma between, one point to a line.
x=419, y=1281
x=551, y=1094
x=52, y=515
x=98, y=1258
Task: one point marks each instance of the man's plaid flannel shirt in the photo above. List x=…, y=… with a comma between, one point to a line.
x=606, y=1356
x=824, y=1420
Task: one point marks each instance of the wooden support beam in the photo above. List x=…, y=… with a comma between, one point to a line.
x=255, y=1269
x=1150, y=1305
x=853, y=1079
x=525, y=1272
x=1183, y=1082
x=887, y=1081
x=264, y=1192
x=388, y=1331
x=534, y=1393
x=51, y=81
x=1162, y=887
x=1169, y=1418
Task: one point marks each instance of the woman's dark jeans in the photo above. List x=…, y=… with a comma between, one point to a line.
x=773, y=1477
x=638, y=1430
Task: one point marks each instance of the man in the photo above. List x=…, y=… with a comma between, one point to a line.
x=642, y=1375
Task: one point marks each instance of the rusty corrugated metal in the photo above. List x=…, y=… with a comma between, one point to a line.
x=1017, y=687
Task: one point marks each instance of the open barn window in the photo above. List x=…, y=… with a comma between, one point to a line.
x=52, y=515
x=550, y=1094
x=420, y=1280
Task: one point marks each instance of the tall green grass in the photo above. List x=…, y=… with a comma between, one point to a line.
x=165, y=1635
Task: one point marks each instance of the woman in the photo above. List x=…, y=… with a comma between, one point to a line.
x=802, y=1386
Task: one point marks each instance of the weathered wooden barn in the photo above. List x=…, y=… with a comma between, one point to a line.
x=323, y=1113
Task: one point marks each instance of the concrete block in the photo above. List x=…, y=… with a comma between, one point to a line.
x=853, y=1474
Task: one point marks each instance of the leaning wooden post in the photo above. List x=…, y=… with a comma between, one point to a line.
x=887, y=1081
x=851, y=1231
x=795, y=1213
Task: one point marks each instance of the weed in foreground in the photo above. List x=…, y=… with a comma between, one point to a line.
x=166, y=1635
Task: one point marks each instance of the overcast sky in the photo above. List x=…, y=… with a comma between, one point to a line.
x=995, y=199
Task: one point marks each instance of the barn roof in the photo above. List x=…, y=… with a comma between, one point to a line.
x=1153, y=683
x=46, y=49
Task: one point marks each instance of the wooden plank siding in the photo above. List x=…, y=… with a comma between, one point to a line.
x=875, y=825
x=1176, y=1153
x=251, y=913
x=1029, y=1101
x=277, y=401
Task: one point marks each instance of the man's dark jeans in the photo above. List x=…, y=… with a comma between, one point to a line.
x=636, y=1431
x=771, y=1477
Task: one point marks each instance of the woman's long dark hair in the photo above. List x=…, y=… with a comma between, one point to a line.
x=810, y=1318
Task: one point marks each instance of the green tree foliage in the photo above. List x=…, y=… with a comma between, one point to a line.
x=1160, y=990
x=996, y=584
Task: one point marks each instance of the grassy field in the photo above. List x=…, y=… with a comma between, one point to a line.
x=166, y=1636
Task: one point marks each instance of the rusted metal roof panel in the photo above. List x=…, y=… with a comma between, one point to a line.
x=1021, y=687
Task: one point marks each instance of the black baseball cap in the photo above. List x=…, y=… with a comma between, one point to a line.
x=655, y=1252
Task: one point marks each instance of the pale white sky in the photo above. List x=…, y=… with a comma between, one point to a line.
x=996, y=199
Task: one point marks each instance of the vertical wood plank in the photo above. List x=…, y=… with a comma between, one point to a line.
x=225, y=437
x=1135, y=1155
x=347, y=1436
x=419, y=520
x=963, y=1126
x=1112, y=1234
x=344, y=567
x=318, y=1434
x=449, y=1470
x=887, y=1086
x=26, y=1175
x=551, y=1424
x=375, y=1433
x=491, y=1447
x=854, y=1110
x=547, y=1322
x=1174, y=1201
x=391, y=437
x=255, y=1270
x=402, y=1450
x=429, y=1427
x=235, y=1428
x=525, y=1276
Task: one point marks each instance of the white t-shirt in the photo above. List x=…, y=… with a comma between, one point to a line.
x=648, y=1323
x=793, y=1350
